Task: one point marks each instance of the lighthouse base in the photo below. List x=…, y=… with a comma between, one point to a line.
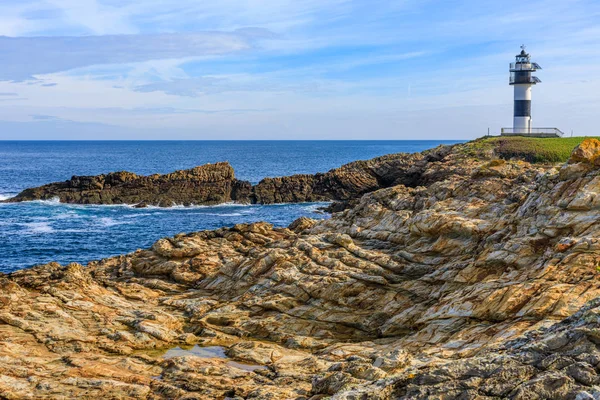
x=532, y=132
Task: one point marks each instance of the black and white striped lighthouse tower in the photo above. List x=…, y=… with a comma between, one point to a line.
x=522, y=80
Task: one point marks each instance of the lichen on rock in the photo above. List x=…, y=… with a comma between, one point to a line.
x=588, y=152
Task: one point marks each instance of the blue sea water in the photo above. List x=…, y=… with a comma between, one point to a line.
x=42, y=231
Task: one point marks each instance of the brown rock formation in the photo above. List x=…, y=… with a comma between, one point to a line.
x=467, y=284
x=208, y=184
x=216, y=183
x=588, y=152
x=349, y=181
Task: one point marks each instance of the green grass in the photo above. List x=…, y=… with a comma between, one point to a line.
x=534, y=150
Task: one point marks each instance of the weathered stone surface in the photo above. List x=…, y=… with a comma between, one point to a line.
x=468, y=282
x=588, y=151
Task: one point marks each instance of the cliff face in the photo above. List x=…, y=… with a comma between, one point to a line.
x=216, y=183
x=465, y=281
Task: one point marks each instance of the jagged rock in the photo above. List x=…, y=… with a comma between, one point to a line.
x=393, y=360
x=587, y=152
x=468, y=280
x=208, y=184
x=302, y=224
x=216, y=183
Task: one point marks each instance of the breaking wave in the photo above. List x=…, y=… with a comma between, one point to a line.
x=33, y=228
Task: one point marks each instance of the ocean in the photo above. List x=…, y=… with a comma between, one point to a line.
x=39, y=232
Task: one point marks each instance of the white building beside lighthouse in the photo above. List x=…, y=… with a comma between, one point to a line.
x=522, y=80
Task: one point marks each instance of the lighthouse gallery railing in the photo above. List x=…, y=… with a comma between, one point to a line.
x=522, y=79
x=551, y=132
x=514, y=67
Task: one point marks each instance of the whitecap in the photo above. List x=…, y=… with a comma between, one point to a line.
x=6, y=196
x=37, y=228
x=129, y=216
x=68, y=215
x=176, y=207
x=224, y=215
x=108, y=222
x=150, y=207
x=312, y=208
x=52, y=202
x=102, y=205
x=55, y=201
x=72, y=230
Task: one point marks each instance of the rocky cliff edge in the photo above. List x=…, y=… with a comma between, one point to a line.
x=480, y=282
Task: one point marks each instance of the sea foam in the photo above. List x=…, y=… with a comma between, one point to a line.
x=108, y=222
x=34, y=228
x=6, y=196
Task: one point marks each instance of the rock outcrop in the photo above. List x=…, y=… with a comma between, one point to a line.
x=587, y=152
x=207, y=184
x=469, y=280
x=215, y=183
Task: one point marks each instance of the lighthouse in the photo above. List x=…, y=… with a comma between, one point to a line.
x=522, y=79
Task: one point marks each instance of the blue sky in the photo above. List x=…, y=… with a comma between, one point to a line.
x=285, y=69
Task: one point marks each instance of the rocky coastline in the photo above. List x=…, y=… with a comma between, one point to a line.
x=451, y=274
x=212, y=184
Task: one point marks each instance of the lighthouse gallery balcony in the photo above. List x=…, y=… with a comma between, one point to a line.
x=519, y=79
x=532, y=66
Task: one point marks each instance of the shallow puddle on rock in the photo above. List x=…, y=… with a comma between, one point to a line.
x=202, y=352
x=209, y=352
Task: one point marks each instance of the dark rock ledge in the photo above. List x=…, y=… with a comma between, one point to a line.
x=216, y=183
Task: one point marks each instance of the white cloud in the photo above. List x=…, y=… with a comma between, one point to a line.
x=25, y=57
x=96, y=18
x=309, y=69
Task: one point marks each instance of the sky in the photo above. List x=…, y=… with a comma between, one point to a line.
x=290, y=69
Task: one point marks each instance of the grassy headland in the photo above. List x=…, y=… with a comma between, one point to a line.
x=534, y=150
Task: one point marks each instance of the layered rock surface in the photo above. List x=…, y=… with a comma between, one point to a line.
x=216, y=183
x=465, y=282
